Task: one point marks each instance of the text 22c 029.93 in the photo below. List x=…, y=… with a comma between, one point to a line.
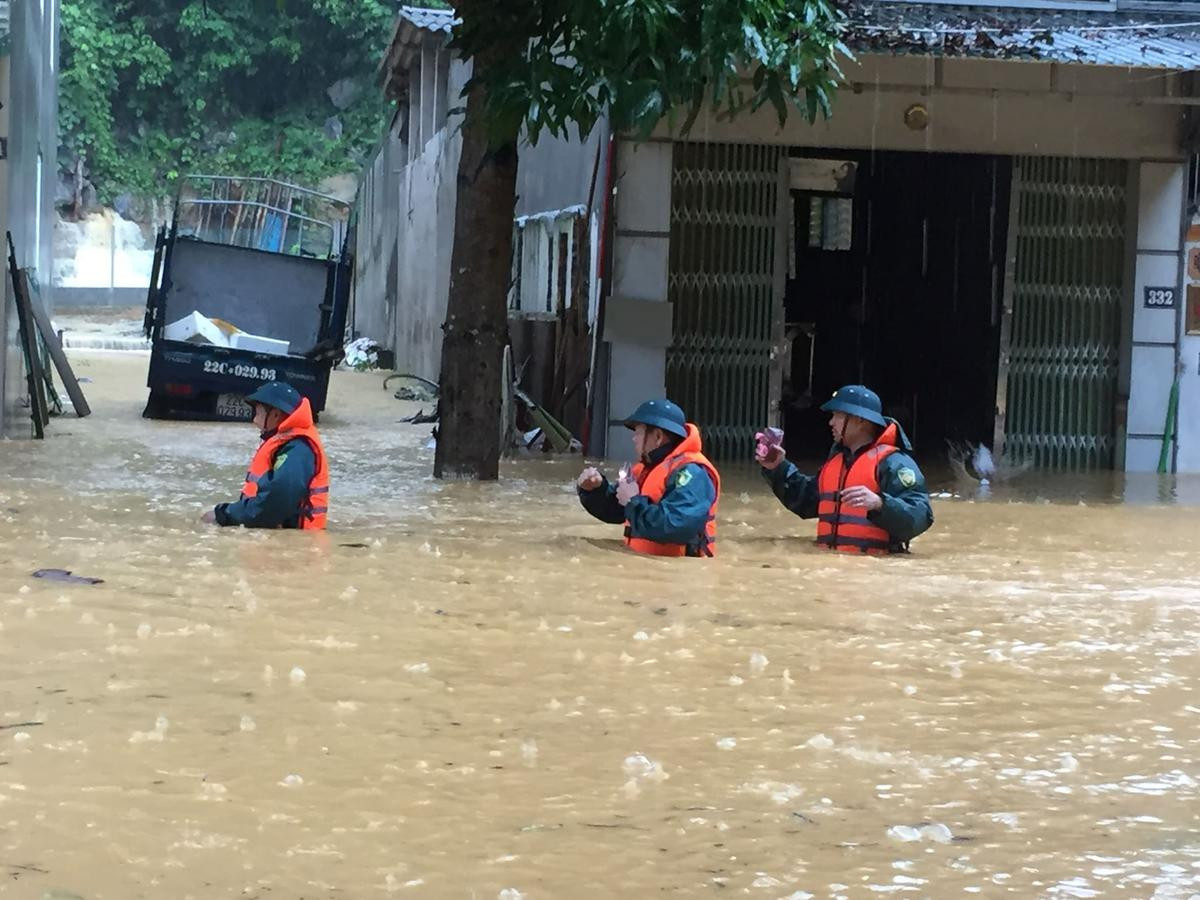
x=239, y=370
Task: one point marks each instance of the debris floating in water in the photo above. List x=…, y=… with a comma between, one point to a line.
x=529, y=751
x=160, y=729
x=291, y=781
x=727, y=743
x=928, y=831
x=758, y=663
x=638, y=765
x=247, y=724
x=298, y=675
x=66, y=577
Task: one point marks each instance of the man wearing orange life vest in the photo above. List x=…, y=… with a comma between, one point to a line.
x=668, y=501
x=869, y=497
x=287, y=484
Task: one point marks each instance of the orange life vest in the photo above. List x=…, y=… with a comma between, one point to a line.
x=841, y=527
x=653, y=484
x=299, y=424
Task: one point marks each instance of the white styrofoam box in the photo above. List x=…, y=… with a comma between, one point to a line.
x=196, y=329
x=258, y=344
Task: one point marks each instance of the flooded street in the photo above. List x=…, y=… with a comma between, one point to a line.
x=463, y=690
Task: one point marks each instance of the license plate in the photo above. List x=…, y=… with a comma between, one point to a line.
x=232, y=406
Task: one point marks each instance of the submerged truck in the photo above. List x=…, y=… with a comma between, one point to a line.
x=250, y=283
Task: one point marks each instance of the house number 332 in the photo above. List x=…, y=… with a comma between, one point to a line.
x=1160, y=297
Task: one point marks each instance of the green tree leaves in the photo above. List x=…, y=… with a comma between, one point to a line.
x=565, y=62
x=151, y=88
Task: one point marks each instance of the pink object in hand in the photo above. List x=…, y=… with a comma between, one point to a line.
x=768, y=440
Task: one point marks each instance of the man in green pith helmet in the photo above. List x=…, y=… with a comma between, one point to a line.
x=870, y=496
x=668, y=500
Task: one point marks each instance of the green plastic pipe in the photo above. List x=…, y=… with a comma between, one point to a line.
x=1169, y=428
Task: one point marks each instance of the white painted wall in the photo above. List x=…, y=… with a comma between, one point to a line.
x=1157, y=262
x=640, y=262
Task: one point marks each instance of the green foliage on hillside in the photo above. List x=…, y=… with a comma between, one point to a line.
x=152, y=89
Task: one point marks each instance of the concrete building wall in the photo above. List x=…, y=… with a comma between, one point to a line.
x=407, y=209
x=425, y=209
x=1153, y=349
x=555, y=173
x=377, y=244
x=992, y=107
x=641, y=249
x=29, y=122
x=982, y=106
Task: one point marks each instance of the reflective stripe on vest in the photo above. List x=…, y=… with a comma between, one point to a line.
x=653, y=484
x=315, y=506
x=849, y=528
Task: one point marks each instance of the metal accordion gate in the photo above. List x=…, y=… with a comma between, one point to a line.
x=1057, y=404
x=723, y=286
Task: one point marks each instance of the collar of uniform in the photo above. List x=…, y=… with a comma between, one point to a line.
x=851, y=455
x=658, y=454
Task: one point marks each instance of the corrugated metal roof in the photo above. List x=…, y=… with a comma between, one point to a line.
x=1091, y=37
x=429, y=19
x=415, y=26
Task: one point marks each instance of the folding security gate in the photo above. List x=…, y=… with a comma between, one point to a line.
x=1056, y=406
x=723, y=285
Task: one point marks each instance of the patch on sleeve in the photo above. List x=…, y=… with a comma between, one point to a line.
x=682, y=479
x=907, y=477
x=279, y=460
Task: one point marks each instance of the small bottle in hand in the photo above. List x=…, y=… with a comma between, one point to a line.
x=768, y=450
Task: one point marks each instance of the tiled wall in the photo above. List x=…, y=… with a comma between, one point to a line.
x=1154, y=349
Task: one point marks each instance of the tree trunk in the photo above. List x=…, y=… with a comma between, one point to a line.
x=476, y=327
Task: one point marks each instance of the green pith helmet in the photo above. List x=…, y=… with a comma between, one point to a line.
x=856, y=400
x=659, y=414
x=277, y=394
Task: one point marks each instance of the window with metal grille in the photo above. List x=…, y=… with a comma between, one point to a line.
x=830, y=222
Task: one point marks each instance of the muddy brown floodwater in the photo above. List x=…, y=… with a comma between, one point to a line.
x=467, y=690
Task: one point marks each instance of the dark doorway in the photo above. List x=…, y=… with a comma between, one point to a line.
x=896, y=283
